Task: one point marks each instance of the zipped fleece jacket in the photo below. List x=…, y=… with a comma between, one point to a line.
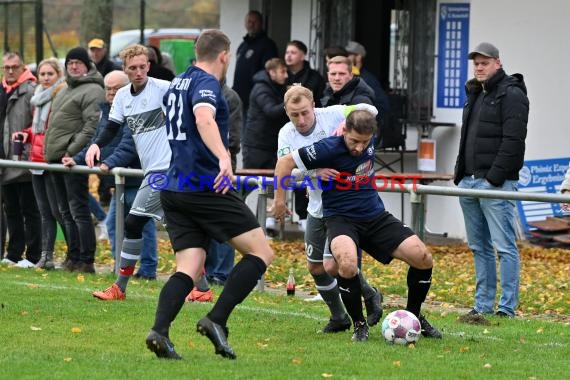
x=74, y=115
x=501, y=131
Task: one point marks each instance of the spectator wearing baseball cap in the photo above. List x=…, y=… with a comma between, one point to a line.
x=485, y=49
x=357, y=53
x=99, y=55
x=491, y=153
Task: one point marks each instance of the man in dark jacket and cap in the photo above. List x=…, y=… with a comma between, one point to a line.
x=491, y=153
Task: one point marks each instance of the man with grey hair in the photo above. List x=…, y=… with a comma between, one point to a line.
x=22, y=215
x=491, y=153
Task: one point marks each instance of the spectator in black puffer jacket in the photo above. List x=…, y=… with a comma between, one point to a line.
x=344, y=88
x=491, y=153
x=265, y=117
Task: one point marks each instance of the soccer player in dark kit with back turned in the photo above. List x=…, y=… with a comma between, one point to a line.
x=197, y=211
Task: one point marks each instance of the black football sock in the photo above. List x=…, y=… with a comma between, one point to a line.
x=171, y=300
x=367, y=290
x=240, y=283
x=419, y=282
x=328, y=289
x=351, y=294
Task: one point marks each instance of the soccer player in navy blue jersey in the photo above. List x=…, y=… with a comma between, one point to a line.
x=199, y=204
x=355, y=218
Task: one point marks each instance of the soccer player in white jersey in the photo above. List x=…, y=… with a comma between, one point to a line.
x=308, y=125
x=140, y=105
x=355, y=217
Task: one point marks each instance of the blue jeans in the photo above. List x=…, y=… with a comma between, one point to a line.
x=490, y=226
x=96, y=209
x=149, y=258
x=219, y=261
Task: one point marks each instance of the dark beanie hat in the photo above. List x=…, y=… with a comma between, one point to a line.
x=80, y=54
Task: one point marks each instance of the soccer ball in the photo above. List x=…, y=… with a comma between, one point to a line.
x=401, y=327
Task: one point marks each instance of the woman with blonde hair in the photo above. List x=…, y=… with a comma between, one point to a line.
x=51, y=80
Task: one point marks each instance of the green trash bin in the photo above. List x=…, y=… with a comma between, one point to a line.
x=181, y=51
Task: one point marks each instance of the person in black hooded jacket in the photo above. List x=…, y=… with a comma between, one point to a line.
x=491, y=153
x=265, y=116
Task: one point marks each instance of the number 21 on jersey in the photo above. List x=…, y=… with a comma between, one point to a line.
x=175, y=109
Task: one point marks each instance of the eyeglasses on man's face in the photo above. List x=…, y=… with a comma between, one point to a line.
x=11, y=68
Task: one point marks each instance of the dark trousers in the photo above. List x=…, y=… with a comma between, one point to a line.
x=72, y=193
x=23, y=222
x=49, y=212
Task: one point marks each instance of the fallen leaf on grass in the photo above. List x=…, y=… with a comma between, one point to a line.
x=32, y=286
x=487, y=365
x=67, y=360
x=76, y=330
x=34, y=328
x=397, y=364
x=540, y=330
x=296, y=361
x=80, y=278
x=326, y=374
x=463, y=349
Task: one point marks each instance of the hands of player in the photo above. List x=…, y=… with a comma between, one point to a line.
x=223, y=181
x=338, y=131
x=327, y=174
x=93, y=153
x=279, y=210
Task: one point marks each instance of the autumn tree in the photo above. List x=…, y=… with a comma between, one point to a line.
x=96, y=21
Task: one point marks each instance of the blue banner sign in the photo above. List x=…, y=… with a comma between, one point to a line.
x=453, y=45
x=540, y=176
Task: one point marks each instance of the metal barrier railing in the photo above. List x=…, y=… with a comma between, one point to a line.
x=417, y=193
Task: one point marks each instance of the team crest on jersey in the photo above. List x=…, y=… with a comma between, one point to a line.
x=370, y=151
x=364, y=168
x=283, y=151
x=248, y=54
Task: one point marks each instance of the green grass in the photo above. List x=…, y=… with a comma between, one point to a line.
x=51, y=327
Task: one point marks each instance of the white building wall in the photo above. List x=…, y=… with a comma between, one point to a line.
x=232, y=18
x=531, y=37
